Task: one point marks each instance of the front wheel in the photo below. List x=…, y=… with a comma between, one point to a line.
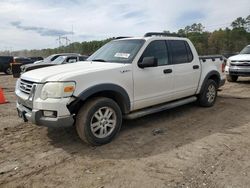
x=98, y=121
x=209, y=94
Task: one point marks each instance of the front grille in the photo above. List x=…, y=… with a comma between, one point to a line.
x=26, y=86
x=241, y=64
x=242, y=61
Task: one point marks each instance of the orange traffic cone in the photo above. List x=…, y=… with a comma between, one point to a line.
x=2, y=98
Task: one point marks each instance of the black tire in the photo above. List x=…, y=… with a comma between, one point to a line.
x=86, y=117
x=205, y=98
x=232, y=78
x=8, y=71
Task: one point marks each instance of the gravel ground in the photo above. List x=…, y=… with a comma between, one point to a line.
x=195, y=147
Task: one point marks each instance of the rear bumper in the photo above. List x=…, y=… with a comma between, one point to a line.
x=36, y=117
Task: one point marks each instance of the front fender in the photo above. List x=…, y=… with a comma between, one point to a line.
x=114, y=91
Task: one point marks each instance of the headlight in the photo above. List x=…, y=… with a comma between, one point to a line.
x=17, y=84
x=228, y=62
x=57, y=90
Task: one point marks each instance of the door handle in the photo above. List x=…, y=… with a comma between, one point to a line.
x=167, y=71
x=196, y=67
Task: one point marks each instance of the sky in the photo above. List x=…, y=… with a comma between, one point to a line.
x=37, y=24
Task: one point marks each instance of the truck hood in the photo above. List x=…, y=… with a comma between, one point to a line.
x=34, y=65
x=29, y=67
x=67, y=71
x=240, y=57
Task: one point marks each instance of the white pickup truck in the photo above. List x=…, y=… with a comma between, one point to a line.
x=238, y=65
x=126, y=78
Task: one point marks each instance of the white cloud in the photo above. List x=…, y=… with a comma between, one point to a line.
x=95, y=19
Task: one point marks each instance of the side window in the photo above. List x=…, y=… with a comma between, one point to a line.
x=72, y=59
x=189, y=52
x=181, y=52
x=157, y=49
x=18, y=60
x=82, y=58
x=53, y=58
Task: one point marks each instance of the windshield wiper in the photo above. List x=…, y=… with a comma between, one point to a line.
x=101, y=60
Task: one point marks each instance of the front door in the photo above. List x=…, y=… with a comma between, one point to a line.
x=153, y=85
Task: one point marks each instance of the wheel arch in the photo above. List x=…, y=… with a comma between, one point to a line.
x=112, y=91
x=213, y=75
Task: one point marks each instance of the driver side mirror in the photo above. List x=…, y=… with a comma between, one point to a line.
x=148, y=62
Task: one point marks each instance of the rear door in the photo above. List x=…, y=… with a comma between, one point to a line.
x=153, y=85
x=186, y=68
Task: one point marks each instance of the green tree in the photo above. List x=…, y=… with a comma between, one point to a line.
x=181, y=32
x=197, y=27
x=239, y=23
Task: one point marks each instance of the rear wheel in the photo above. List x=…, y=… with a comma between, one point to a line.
x=232, y=78
x=98, y=121
x=8, y=71
x=208, y=97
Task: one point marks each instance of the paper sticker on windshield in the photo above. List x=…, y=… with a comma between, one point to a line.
x=122, y=55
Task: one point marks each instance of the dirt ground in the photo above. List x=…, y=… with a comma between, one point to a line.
x=196, y=147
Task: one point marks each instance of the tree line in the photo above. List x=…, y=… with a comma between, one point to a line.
x=221, y=41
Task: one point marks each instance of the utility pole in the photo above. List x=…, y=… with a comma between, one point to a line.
x=63, y=41
x=67, y=41
x=72, y=33
x=59, y=41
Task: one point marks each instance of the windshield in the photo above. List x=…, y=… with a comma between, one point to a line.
x=59, y=60
x=246, y=50
x=118, y=51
